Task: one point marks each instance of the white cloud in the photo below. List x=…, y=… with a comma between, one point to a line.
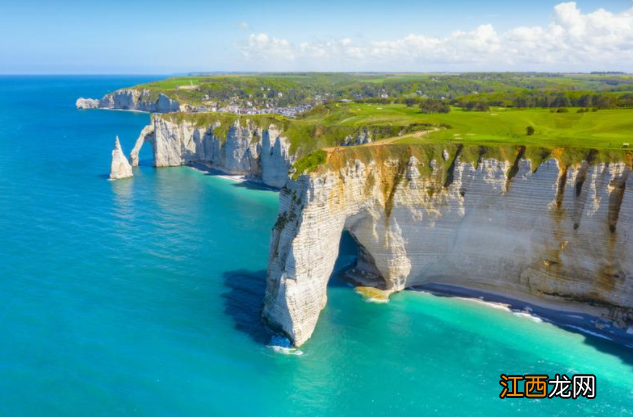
x=573, y=40
x=273, y=48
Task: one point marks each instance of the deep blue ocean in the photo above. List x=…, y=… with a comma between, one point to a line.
x=142, y=297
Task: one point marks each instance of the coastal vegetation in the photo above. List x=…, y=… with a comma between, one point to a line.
x=478, y=112
x=328, y=125
x=434, y=106
x=494, y=89
x=605, y=129
x=309, y=162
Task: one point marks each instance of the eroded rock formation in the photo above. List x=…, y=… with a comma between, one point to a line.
x=87, y=103
x=240, y=148
x=536, y=226
x=132, y=99
x=147, y=135
x=120, y=167
x=362, y=138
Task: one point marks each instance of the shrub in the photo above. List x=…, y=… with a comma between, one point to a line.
x=530, y=130
x=309, y=163
x=477, y=106
x=410, y=102
x=562, y=110
x=434, y=106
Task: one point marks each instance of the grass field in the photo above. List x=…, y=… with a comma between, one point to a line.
x=604, y=129
x=327, y=126
x=499, y=133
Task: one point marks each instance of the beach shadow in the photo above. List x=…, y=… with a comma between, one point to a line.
x=338, y=281
x=579, y=323
x=346, y=260
x=622, y=352
x=244, y=300
x=248, y=184
x=251, y=185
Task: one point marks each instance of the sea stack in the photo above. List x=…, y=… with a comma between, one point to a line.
x=120, y=167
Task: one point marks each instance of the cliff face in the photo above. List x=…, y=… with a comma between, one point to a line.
x=554, y=230
x=241, y=148
x=87, y=103
x=131, y=99
x=146, y=135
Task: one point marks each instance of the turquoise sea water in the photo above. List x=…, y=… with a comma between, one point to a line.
x=142, y=297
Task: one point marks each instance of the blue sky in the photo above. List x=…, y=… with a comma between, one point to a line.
x=159, y=37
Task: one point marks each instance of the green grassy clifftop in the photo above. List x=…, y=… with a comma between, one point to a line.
x=400, y=127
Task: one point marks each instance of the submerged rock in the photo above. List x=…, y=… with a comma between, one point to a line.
x=120, y=167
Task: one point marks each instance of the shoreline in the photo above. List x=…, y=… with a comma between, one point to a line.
x=570, y=319
x=238, y=178
x=107, y=108
x=128, y=110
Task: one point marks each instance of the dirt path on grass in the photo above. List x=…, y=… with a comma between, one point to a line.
x=382, y=142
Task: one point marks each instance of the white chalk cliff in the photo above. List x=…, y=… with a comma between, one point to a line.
x=87, y=103
x=241, y=148
x=147, y=135
x=361, y=138
x=560, y=232
x=132, y=99
x=120, y=167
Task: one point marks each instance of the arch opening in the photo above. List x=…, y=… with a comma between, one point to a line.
x=355, y=265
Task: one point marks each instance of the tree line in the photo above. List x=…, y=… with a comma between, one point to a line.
x=545, y=99
x=566, y=99
x=535, y=99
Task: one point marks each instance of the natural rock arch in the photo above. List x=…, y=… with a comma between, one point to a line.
x=492, y=227
x=246, y=150
x=147, y=135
